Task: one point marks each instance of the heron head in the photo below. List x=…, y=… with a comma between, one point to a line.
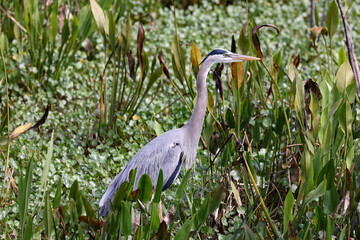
x=225, y=56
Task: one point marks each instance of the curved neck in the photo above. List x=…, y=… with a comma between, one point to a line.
x=197, y=118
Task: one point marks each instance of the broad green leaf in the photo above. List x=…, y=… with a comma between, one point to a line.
x=74, y=30
x=182, y=186
x=4, y=44
x=90, y=212
x=48, y=217
x=229, y=117
x=204, y=211
x=120, y=195
x=342, y=57
x=100, y=17
x=159, y=187
x=316, y=193
x=65, y=32
x=57, y=197
x=127, y=33
x=178, y=57
x=243, y=42
x=24, y=190
x=345, y=117
x=145, y=187
x=157, y=128
x=344, y=76
x=315, y=119
x=350, y=154
x=155, y=219
x=331, y=200
x=288, y=206
x=28, y=230
x=85, y=22
x=74, y=190
x=125, y=222
x=332, y=19
x=47, y=161
x=184, y=231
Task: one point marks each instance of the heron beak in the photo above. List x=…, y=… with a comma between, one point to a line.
x=243, y=57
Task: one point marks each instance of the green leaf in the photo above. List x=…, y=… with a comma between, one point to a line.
x=332, y=19
x=204, y=211
x=57, y=197
x=28, y=231
x=344, y=76
x=316, y=193
x=145, y=186
x=216, y=196
x=74, y=30
x=127, y=33
x=120, y=195
x=229, y=117
x=331, y=200
x=112, y=31
x=125, y=223
x=345, y=117
x=256, y=133
x=184, y=231
x=24, y=191
x=65, y=32
x=47, y=161
x=159, y=187
x=342, y=57
x=90, y=212
x=182, y=186
x=288, y=206
x=74, y=190
x=178, y=57
x=157, y=128
x=155, y=219
x=48, y=217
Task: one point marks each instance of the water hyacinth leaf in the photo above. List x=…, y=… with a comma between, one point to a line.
x=184, y=231
x=159, y=187
x=255, y=37
x=20, y=130
x=344, y=76
x=48, y=217
x=288, y=206
x=157, y=128
x=47, y=161
x=145, y=186
x=195, y=56
x=125, y=222
x=332, y=19
x=100, y=17
x=90, y=212
x=182, y=186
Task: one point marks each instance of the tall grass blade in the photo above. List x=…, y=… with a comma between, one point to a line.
x=47, y=161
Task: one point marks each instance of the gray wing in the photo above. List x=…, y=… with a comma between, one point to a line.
x=159, y=153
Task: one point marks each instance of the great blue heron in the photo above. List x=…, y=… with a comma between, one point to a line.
x=176, y=147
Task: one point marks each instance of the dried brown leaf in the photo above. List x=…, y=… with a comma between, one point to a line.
x=131, y=61
x=255, y=37
x=140, y=43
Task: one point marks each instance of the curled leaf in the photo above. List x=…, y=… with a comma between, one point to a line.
x=140, y=43
x=131, y=61
x=255, y=38
x=20, y=130
x=316, y=31
x=165, y=68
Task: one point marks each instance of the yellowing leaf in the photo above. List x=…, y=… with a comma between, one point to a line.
x=344, y=76
x=99, y=15
x=195, y=56
x=135, y=117
x=20, y=130
x=237, y=72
